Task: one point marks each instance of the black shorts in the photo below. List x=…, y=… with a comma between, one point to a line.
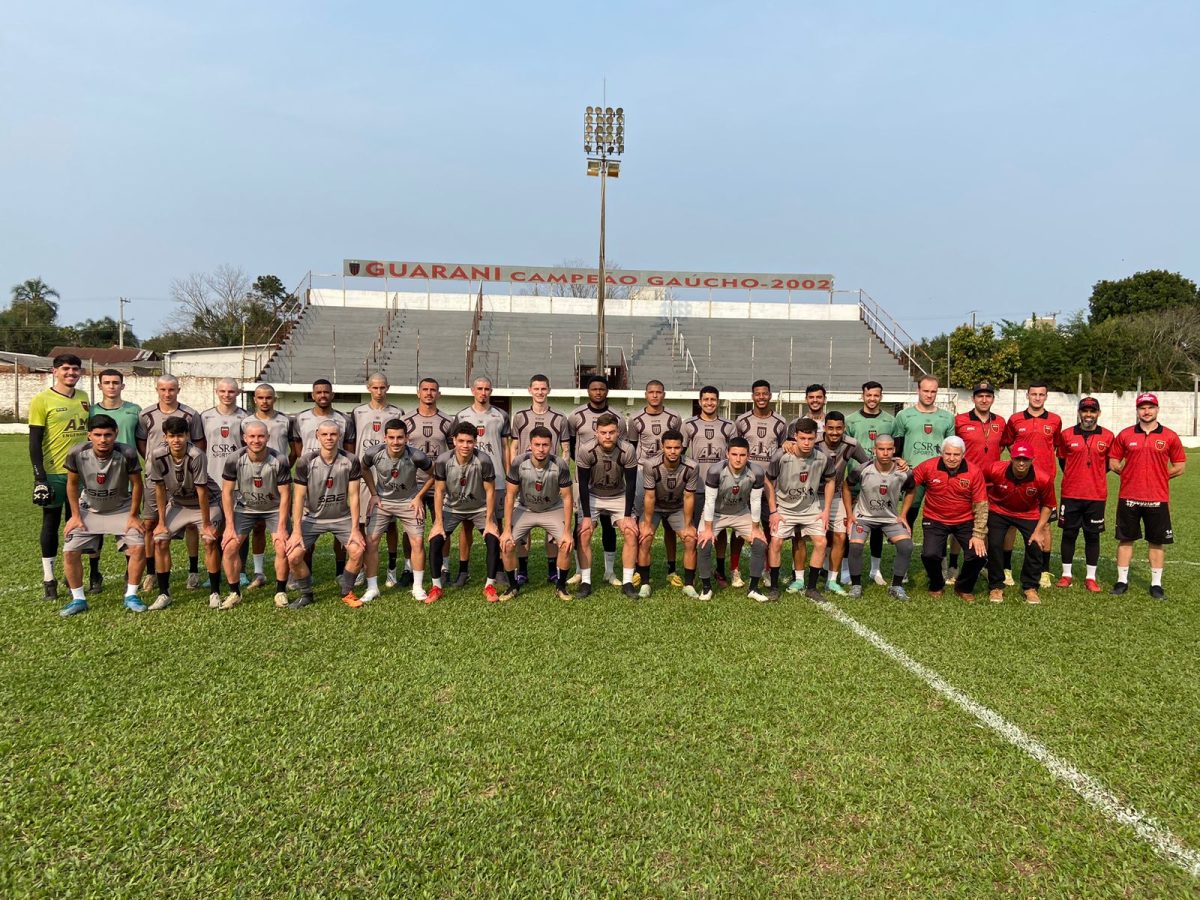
x=1081, y=514
x=1155, y=514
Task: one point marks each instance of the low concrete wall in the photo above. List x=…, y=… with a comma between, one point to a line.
x=195, y=391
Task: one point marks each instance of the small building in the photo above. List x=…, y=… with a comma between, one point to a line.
x=240, y=362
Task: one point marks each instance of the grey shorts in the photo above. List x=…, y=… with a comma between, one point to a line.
x=609, y=506
x=178, y=518
x=87, y=539
x=384, y=514
x=741, y=525
x=451, y=520
x=311, y=529
x=525, y=520
x=673, y=518
x=244, y=522
x=862, y=530
x=837, y=515
x=793, y=525
x=149, y=502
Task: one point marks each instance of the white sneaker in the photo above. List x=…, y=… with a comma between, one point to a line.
x=281, y=600
x=951, y=576
x=419, y=594
x=878, y=578
x=193, y=581
x=369, y=595
x=391, y=580
x=757, y=596
x=162, y=601
x=614, y=580
x=149, y=582
x=689, y=590
x=735, y=580
x=214, y=600
x=258, y=581
x=644, y=591
x=706, y=595
x=231, y=601
x=575, y=579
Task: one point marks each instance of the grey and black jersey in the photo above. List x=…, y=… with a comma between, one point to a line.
x=733, y=488
x=279, y=429
x=880, y=493
x=646, y=430
x=369, y=426
x=606, y=468
x=765, y=434
x=395, y=477
x=430, y=435
x=847, y=449
x=150, y=424
x=222, y=435
x=669, y=485
x=327, y=484
x=799, y=481
x=539, y=487
x=306, y=423
x=256, y=484
x=706, y=441
x=180, y=478
x=104, y=481
x=525, y=420
x=491, y=431
x=581, y=426
x=464, y=492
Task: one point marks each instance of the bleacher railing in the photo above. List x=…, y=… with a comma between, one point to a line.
x=291, y=317
x=473, y=338
x=679, y=347
x=898, y=341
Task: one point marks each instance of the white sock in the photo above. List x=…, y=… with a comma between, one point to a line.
x=258, y=563
x=1156, y=577
x=408, y=566
x=47, y=568
x=434, y=582
x=1091, y=572
x=491, y=582
x=586, y=575
x=626, y=575
x=610, y=559
x=876, y=562
x=372, y=582
x=830, y=577
x=418, y=578
x=1123, y=573
x=1066, y=570
x=77, y=593
x=131, y=590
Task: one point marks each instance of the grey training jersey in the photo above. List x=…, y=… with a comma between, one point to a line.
x=606, y=468
x=525, y=420
x=222, y=434
x=766, y=435
x=150, y=424
x=279, y=428
x=538, y=489
x=846, y=450
x=465, y=492
x=799, y=481
x=646, y=431
x=256, y=484
x=396, y=477
x=104, y=481
x=368, y=426
x=180, y=479
x=669, y=485
x=733, y=488
x=581, y=426
x=706, y=441
x=880, y=494
x=327, y=484
x=306, y=423
x=491, y=430
x=430, y=435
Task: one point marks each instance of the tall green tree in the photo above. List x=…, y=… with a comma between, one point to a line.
x=220, y=308
x=976, y=354
x=1155, y=289
x=29, y=325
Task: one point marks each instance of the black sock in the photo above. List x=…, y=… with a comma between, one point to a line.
x=463, y=564
x=94, y=565
x=193, y=564
x=214, y=582
x=392, y=555
x=814, y=575
x=235, y=586
x=512, y=579
x=1008, y=559
x=280, y=586
x=856, y=579
x=164, y=583
x=720, y=567
x=563, y=575
x=753, y=582
x=705, y=585
x=551, y=568
x=670, y=567
x=897, y=580
x=339, y=566
x=644, y=571
x=150, y=563
x=523, y=566
x=689, y=576
x=775, y=576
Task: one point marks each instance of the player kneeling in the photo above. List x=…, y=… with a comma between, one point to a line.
x=538, y=495
x=256, y=489
x=325, y=501
x=670, y=484
x=186, y=496
x=882, y=484
x=733, y=492
x=108, y=475
x=390, y=474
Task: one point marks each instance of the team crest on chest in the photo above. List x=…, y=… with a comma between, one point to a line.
x=395, y=472
x=709, y=433
x=427, y=430
x=883, y=490
x=258, y=482
x=1160, y=445
x=375, y=426
x=964, y=482
x=872, y=434
x=1047, y=430
x=1031, y=491
x=762, y=431
x=224, y=431
x=735, y=490
x=929, y=428
x=655, y=428
x=803, y=476
x=479, y=430
x=328, y=482
x=671, y=482
x=101, y=478
x=538, y=485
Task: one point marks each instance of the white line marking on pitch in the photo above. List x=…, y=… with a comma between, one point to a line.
x=1090, y=789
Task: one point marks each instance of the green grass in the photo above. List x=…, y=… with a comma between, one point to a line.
x=593, y=748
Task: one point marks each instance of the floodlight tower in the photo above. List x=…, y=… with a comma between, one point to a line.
x=603, y=142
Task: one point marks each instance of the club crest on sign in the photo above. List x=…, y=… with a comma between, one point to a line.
x=929, y=428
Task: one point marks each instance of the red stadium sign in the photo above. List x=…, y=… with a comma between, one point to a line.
x=433, y=271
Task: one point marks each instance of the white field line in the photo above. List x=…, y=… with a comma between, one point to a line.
x=1166, y=844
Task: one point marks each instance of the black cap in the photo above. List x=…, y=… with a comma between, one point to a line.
x=1089, y=403
x=984, y=387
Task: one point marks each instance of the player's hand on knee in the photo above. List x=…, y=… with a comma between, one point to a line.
x=72, y=523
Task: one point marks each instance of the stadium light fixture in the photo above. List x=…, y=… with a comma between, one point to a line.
x=603, y=143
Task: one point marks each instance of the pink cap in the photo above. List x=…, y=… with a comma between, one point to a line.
x=1021, y=451
x=1147, y=398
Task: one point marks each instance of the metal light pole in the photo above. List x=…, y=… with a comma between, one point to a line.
x=603, y=142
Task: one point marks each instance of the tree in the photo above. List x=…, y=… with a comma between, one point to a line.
x=221, y=308
x=1156, y=289
x=29, y=325
x=105, y=332
x=31, y=300
x=976, y=354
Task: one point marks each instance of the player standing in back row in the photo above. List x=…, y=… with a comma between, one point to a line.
x=369, y=420
x=1083, y=453
x=1039, y=428
x=646, y=429
x=538, y=414
x=919, y=431
x=865, y=425
x=764, y=431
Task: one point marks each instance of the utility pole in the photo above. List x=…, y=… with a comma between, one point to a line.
x=121, y=323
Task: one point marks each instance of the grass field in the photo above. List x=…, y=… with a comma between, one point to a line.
x=601, y=747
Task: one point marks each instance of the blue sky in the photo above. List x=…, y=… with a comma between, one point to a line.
x=943, y=156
